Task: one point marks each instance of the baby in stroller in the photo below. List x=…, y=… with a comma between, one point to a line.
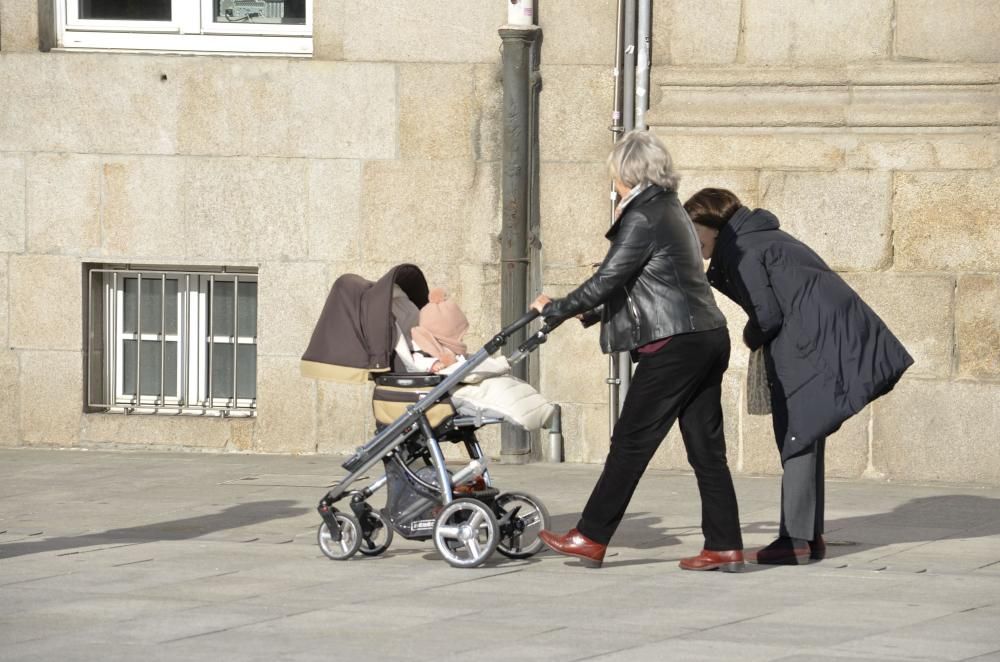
x=431, y=340
x=364, y=329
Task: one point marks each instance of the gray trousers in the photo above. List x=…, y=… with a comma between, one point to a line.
x=802, y=498
x=802, y=480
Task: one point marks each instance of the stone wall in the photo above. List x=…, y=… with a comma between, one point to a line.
x=871, y=130
x=382, y=148
x=869, y=127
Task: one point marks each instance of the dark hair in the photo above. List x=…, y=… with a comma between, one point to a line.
x=712, y=207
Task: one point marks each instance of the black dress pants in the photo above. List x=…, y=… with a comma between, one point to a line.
x=683, y=380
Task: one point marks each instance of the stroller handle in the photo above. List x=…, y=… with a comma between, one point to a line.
x=500, y=339
x=533, y=341
x=520, y=322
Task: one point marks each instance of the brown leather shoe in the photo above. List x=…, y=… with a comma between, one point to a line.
x=575, y=544
x=728, y=561
x=782, y=551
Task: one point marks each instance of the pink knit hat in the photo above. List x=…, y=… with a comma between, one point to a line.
x=441, y=328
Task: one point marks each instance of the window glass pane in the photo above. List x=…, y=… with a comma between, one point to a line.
x=246, y=371
x=248, y=309
x=126, y=10
x=150, y=368
x=246, y=374
x=288, y=12
x=129, y=311
x=223, y=308
x=152, y=298
x=222, y=371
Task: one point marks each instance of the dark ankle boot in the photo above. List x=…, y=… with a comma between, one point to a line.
x=783, y=551
x=817, y=549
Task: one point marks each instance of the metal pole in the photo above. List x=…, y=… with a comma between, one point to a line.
x=535, y=280
x=642, y=63
x=515, y=444
x=628, y=58
x=628, y=122
x=617, y=129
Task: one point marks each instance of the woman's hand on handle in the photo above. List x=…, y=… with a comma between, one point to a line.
x=540, y=302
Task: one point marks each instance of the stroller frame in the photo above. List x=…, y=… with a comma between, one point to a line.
x=460, y=520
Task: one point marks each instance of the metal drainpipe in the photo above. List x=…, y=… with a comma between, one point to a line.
x=623, y=118
x=617, y=129
x=643, y=31
x=553, y=450
x=628, y=120
x=518, y=42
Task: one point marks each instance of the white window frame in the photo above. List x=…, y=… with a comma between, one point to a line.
x=197, y=343
x=192, y=29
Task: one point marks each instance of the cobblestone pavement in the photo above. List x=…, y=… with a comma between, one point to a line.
x=157, y=556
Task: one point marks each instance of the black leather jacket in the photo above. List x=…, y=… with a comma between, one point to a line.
x=651, y=284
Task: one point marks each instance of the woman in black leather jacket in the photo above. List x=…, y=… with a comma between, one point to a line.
x=652, y=299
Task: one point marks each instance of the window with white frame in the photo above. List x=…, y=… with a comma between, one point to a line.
x=228, y=26
x=172, y=342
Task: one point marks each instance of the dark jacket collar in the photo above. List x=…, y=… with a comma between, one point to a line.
x=641, y=199
x=744, y=221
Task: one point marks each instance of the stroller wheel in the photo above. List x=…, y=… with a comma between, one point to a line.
x=376, y=533
x=466, y=533
x=350, y=538
x=521, y=517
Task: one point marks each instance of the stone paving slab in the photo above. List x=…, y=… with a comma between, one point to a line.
x=125, y=556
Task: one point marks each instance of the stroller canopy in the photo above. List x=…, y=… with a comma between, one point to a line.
x=355, y=332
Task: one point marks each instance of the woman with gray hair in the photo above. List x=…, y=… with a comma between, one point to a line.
x=652, y=299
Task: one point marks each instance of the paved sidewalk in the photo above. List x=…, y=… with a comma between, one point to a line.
x=129, y=556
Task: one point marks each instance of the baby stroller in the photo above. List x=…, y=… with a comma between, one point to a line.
x=462, y=512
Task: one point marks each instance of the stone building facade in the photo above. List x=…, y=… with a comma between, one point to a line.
x=869, y=126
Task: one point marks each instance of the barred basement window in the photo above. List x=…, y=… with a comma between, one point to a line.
x=227, y=26
x=165, y=341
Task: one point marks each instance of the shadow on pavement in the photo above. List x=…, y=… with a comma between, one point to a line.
x=637, y=530
x=925, y=519
x=234, y=517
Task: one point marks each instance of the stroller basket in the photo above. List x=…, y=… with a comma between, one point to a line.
x=394, y=394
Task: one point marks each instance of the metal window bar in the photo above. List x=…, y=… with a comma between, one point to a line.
x=90, y=334
x=138, y=337
x=163, y=336
x=211, y=339
x=183, y=342
x=113, y=341
x=236, y=331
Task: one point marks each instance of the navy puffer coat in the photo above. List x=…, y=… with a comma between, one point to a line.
x=828, y=351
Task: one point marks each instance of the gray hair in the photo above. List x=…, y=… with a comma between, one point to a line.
x=642, y=158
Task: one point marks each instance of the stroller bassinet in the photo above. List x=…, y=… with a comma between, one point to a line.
x=466, y=516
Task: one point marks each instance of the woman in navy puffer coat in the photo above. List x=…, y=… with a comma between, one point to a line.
x=827, y=353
